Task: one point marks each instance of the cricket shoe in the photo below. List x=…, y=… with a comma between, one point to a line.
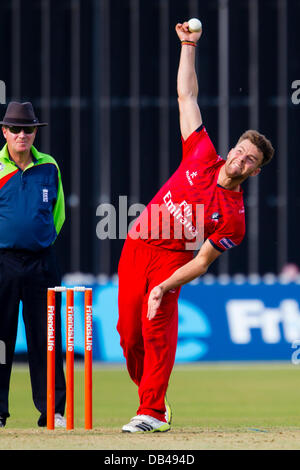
x=42, y=421
x=59, y=421
x=2, y=422
x=168, y=412
x=145, y=423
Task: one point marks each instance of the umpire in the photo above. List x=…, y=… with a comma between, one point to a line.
x=32, y=213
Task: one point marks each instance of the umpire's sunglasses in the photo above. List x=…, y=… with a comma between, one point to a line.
x=18, y=129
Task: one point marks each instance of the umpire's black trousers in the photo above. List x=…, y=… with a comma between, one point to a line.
x=25, y=276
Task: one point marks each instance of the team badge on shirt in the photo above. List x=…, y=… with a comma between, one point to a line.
x=191, y=176
x=216, y=216
x=2, y=166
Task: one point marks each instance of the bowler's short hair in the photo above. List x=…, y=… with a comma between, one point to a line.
x=261, y=142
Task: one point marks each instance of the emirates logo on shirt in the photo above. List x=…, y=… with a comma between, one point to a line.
x=182, y=212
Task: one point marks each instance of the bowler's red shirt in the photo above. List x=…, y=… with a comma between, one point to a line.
x=175, y=218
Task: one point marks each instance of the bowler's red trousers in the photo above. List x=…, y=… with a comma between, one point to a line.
x=149, y=346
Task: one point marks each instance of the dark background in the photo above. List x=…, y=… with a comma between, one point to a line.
x=103, y=74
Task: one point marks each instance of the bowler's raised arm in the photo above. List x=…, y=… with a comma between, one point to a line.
x=187, y=84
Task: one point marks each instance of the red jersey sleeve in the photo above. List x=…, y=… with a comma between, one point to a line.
x=199, y=146
x=229, y=235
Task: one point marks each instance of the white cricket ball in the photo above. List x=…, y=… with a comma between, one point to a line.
x=195, y=25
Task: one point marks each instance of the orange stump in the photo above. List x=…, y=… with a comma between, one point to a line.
x=88, y=358
x=50, y=358
x=70, y=359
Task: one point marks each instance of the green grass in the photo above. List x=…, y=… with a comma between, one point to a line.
x=210, y=397
x=237, y=397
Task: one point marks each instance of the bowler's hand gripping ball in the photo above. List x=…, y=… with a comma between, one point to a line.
x=195, y=25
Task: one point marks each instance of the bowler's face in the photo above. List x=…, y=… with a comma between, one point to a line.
x=19, y=143
x=243, y=160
